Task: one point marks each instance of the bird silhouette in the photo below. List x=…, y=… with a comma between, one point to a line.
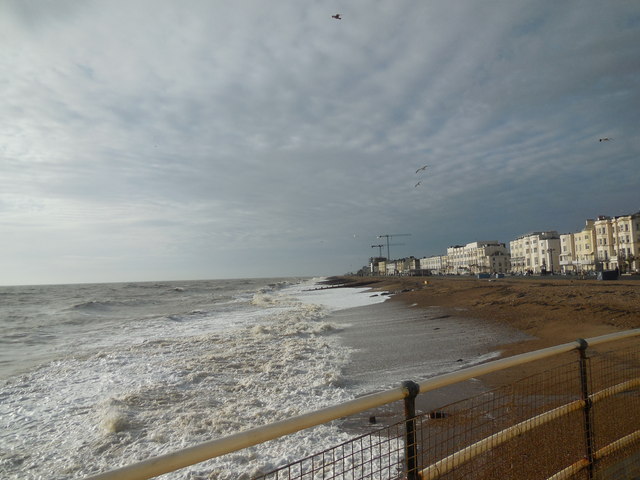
x=422, y=168
x=605, y=139
x=417, y=184
x=337, y=16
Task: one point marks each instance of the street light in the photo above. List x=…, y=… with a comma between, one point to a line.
x=550, y=252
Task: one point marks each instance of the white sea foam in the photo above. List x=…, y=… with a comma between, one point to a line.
x=166, y=367
x=159, y=383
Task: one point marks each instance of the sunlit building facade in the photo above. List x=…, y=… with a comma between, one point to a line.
x=578, y=250
x=618, y=242
x=536, y=253
x=477, y=257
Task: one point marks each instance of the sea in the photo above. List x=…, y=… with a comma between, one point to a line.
x=98, y=376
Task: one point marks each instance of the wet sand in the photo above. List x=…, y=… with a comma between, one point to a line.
x=393, y=342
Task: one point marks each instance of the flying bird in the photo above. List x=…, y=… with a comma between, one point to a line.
x=422, y=168
x=605, y=139
x=337, y=16
x=417, y=184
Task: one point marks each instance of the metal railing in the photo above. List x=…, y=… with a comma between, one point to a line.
x=486, y=437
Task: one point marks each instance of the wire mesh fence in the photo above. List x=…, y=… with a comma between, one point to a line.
x=578, y=418
x=378, y=455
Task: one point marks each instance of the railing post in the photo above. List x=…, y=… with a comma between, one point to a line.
x=588, y=419
x=411, y=450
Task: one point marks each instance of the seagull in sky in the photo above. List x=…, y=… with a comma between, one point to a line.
x=417, y=184
x=605, y=139
x=337, y=16
x=422, y=168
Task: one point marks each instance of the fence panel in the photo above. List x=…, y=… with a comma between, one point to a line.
x=526, y=451
x=617, y=416
x=533, y=428
x=376, y=456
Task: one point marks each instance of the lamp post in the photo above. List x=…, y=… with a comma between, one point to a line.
x=550, y=252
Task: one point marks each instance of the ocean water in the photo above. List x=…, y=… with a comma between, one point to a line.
x=93, y=377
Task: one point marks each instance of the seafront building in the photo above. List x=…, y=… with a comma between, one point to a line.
x=536, y=253
x=605, y=243
x=618, y=242
x=377, y=266
x=434, y=265
x=477, y=257
x=578, y=251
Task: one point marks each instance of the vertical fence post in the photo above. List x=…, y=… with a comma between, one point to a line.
x=588, y=418
x=411, y=451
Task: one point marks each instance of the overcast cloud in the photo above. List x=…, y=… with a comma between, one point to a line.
x=158, y=140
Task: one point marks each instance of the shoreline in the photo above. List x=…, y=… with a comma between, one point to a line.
x=545, y=311
x=551, y=311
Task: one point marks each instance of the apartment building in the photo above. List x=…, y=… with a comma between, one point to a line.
x=392, y=268
x=536, y=253
x=605, y=243
x=605, y=254
x=411, y=266
x=618, y=242
x=578, y=250
x=626, y=241
x=477, y=257
x=377, y=265
x=435, y=264
x=567, y=253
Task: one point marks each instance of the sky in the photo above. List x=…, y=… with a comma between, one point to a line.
x=177, y=140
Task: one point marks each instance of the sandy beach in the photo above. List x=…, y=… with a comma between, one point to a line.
x=526, y=314
x=549, y=310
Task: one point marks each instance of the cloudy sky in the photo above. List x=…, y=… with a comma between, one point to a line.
x=160, y=140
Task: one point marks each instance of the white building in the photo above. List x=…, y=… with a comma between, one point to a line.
x=536, y=253
x=435, y=264
x=477, y=257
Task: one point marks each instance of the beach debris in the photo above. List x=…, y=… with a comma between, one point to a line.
x=337, y=16
x=438, y=414
x=606, y=139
